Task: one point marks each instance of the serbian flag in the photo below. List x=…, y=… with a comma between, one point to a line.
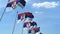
x=13, y=4
x=20, y=3
x=19, y=16
x=29, y=31
x=26, y=24
x=28, y=15
x=33, y=24
x=37, y=29
x=25, y=15
x=29, y=24
x=10, y=4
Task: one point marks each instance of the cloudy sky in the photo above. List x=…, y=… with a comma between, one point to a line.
x=46, y=12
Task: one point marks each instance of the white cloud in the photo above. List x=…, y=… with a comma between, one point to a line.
x=39, y=12
x=46, y=4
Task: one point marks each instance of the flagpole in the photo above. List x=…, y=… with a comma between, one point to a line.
x=14, y=27
x=14, y=24
x=22, y=26
x=3, y=12
x=22, y=30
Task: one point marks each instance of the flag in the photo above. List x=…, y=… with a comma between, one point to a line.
x=33, y=24
x=37, y=29
x=21, y=16
x=25, y=15
x=11, y=4
x=16, y=0
x=21, y=3
x=40, y=32
x=30, y=24
x=29, y=31
x=28, y=15
x=26, y=24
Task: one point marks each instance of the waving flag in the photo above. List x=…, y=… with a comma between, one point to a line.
x=30, y=24
x=25, y=15
x=28, y=15
x=16, y=0
x=21, y=16
x=29, y=31
x=33, y=24
x=26, y=24
x=37, y=29
x=11, y=4
x=20, y=3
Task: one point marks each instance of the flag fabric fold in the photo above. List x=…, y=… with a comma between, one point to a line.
x=14, y=3
x=37, y=29
x=25, y=15
x=26, y=24
x=20, y=3
x=11, y=4
x=33, y=23
x=28, y=15
x=30, y=25
x=21, y=16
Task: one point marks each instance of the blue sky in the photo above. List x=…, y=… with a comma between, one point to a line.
x=46, y=12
